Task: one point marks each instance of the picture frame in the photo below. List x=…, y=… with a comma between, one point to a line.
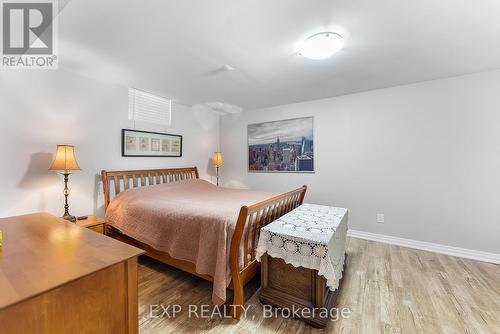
x=281, y=146
x=137, y=143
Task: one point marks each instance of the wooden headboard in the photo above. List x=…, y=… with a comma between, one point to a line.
x=125, y=179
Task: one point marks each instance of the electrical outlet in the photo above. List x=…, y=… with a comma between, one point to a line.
x=380, y=218
x=99, y=188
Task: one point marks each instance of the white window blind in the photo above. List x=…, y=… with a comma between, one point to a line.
x=146, y=107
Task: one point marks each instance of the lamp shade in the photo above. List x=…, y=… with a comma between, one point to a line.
x=65, y=159
x=217, y=159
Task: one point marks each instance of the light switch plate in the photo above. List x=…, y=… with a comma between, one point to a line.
x=380, y=218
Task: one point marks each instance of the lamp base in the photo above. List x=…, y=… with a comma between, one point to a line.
x=69, y=218
x=217, y=175
x=66, y=215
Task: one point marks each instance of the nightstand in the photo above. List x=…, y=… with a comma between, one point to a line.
x=94, y=223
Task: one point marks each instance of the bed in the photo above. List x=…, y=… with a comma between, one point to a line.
x=193, y=225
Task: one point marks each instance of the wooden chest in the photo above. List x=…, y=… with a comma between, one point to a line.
x=296, y=288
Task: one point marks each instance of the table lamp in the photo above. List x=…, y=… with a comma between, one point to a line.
x=65, y=162
x=217, y=162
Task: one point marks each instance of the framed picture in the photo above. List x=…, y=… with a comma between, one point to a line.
x=137, y=143
x=281, y=146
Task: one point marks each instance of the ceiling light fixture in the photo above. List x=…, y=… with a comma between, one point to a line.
x=321, y=45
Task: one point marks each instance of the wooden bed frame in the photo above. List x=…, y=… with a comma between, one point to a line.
x=250, y=220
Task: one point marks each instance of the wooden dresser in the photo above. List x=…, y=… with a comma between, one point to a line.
x=56, y=277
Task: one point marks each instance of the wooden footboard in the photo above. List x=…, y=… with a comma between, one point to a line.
x=251, y=219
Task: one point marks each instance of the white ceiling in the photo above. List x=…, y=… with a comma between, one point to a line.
x=177, y=48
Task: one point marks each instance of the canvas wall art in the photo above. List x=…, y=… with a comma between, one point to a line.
x=150, y=144
x=281, y=146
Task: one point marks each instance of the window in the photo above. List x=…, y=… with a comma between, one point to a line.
x=150, y=108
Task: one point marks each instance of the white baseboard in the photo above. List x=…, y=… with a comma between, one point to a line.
x=428, y=246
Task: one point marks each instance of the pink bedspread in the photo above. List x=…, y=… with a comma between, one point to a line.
x=191, y=220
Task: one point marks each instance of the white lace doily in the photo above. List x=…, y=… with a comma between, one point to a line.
x=311, y=236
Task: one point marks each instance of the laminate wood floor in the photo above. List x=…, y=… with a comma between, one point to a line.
x=388, y=289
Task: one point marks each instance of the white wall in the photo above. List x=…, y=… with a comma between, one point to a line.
x=39, y=109
x=427, y=155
